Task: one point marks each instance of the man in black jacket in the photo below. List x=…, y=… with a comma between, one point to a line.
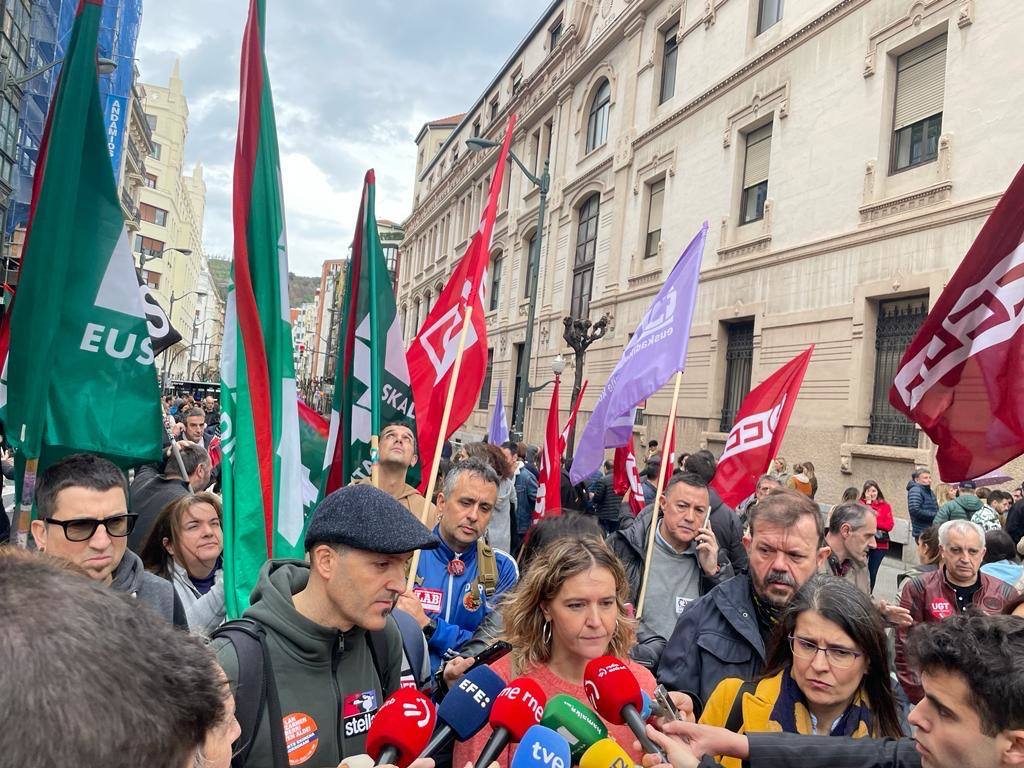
x=151, y=491
x=606, y=501
x=724, y=519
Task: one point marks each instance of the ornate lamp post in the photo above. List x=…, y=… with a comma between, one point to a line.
x=579, y=335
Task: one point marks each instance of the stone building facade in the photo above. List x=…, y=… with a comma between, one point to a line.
x=845, y=153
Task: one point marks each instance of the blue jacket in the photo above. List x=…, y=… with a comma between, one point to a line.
x=715, y=638
x=446, y=599
x=922, y=507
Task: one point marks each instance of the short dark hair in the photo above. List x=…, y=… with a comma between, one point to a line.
x=999, y=546
x=407, y=425
x=196, y=412
x=192, y=455
x=609, y=466
x=685, y=478
x=701, y=463
x=652, y=443
x=851, y=513
x=998, y=495
x=79, y=470
x=512, y=446
x=168, y=693
x=785, y=508
x=986, y=652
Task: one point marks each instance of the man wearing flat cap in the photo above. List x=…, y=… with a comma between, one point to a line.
x=334, y=649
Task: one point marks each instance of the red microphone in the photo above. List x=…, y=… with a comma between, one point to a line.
x=614, y=692
x=515, y=709
x=401, y=728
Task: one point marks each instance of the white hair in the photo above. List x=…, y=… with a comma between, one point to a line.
x=960, y=526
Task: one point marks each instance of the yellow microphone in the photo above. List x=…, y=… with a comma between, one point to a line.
x=606, y=753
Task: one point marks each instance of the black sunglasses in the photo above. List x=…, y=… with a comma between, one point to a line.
x=83, y=528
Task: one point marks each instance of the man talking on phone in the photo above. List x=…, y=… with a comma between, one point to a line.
x=687, y=562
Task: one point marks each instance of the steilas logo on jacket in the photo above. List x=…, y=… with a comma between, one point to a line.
x=357, y=712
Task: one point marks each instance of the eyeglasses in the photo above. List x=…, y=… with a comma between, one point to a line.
x=840, y=658
x=84, y=528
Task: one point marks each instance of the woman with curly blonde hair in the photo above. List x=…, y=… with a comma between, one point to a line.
x=569, y=608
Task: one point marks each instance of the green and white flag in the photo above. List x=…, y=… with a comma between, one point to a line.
x=262, y=475
x=79, y=373
x=371, y=357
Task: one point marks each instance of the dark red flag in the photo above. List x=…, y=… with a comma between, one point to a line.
x=626, y=477
x=757, y=434
x=960, y=378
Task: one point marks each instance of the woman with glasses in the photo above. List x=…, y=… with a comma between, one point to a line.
x=185, y=547
x=827, y=672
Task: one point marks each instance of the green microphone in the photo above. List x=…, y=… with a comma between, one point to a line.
x=576, y=722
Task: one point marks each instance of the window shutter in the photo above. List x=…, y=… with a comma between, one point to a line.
x=657, y=201
x=759, y=148
x=920, y=82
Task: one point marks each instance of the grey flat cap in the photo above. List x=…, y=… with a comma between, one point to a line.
x=366, y=518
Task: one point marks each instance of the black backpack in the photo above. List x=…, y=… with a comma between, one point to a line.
x=256, y=673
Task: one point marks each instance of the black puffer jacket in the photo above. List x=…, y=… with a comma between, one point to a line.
x=606, y=500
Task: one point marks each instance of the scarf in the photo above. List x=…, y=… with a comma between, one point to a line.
x=205, y=585
x=792, y=715
x=768, y=614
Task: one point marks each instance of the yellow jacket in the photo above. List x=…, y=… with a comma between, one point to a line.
x=757, y=710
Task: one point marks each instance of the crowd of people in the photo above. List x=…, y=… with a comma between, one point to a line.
x=760, y=622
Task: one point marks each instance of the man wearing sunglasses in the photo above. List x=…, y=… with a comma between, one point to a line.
x=82, y=502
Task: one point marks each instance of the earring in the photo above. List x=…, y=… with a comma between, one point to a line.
x=545, y=633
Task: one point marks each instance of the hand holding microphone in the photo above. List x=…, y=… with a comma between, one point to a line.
x=517, y=708
x=614, y=692
x=401, y=728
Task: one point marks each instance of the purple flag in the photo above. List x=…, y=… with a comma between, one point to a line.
x=498, y=431
x=654, y=354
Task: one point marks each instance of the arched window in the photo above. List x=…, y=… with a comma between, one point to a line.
x=497, y=260
x=597, y=123
x=415, y=318
x=586, y=251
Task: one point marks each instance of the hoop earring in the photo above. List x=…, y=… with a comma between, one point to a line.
x=545, y=633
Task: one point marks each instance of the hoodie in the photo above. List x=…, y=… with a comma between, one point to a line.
x=131, y=578
x=326, y=679
x=962, y=507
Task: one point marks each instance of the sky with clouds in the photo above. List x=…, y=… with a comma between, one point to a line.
x=353, y=83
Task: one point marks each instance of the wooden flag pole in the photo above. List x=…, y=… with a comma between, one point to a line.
x=375, y=460
x=657, y=499
x=445, y=416
x=19, y=531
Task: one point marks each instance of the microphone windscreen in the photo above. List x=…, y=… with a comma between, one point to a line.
x=606, y=753
x=404, y=721
x=518, y=707
x=611, y=687
x=466, y=706
x=541, y=747
x=575, y=722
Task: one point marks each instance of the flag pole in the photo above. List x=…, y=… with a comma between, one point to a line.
x=19, y=531
x=657, y=499
x=445, y=416
x=374, y=456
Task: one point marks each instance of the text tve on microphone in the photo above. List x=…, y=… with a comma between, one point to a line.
x=401, y=728
x=575, y=722
x=542, y=748
x=606, y=753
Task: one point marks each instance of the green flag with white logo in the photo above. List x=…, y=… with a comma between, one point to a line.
x=80, y=373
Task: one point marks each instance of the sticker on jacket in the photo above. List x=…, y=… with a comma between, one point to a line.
x=471, y=600
x=357, y=712
x=430, y=599
x=941, y=609
x=300, y=737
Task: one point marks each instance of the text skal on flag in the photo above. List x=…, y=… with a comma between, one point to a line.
x=960, y=378
x=655, y=353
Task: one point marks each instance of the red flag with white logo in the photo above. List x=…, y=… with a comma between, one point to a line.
x=549, y=480
x=960, y=378
x=757, y=433
x=626, y=477
x=431, y=356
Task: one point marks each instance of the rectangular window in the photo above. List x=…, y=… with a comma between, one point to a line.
x=152, y=279
x=769, y=14
x=898, y=323
x=531, y=262
x=655, y=204
x=153, y=215
x=739, y=361
x=669, y=58
x=917, y=113
x=496, y=267
x=157, y=149
x=517, y=82
x=495, y=106
x=555, y=34
x=755, y=174
x=518, y=382
x=476, y=127
x=549, y=135
x=148, y=247
x=485, y=392
x=151, y=122
x=535, y=152
x=150, y=181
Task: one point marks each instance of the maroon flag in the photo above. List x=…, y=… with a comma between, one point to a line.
x=757, y=434
x=626, y=477
x=960, y=378
x=431, y=356
x=549, y=481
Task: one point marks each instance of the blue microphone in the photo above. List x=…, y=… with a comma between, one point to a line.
x=465, y=709
x=541, y=747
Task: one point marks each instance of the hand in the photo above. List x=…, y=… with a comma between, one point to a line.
x=177, y=429
x=411, y=604
x=708, y=740
x=456, y=668
x=676, y=750
x=707, y=550
x=684, y=704
x=896, y=615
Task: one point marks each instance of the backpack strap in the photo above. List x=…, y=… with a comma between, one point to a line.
x=378, y=643
x=486, y=567
x=255, y=673
x=735, y=721
x=413, y=644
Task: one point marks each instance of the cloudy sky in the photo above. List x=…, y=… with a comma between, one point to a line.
x=353, y=83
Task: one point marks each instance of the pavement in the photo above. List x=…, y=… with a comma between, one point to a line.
x=885, y=584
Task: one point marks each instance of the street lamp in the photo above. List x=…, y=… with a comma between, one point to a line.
x=544, y=184
x=170, y=316
x=104, y=66
x=579, y=335
x=143, y=258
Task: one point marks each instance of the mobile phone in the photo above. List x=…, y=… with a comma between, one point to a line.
x=668, y=709
x=491, y=654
